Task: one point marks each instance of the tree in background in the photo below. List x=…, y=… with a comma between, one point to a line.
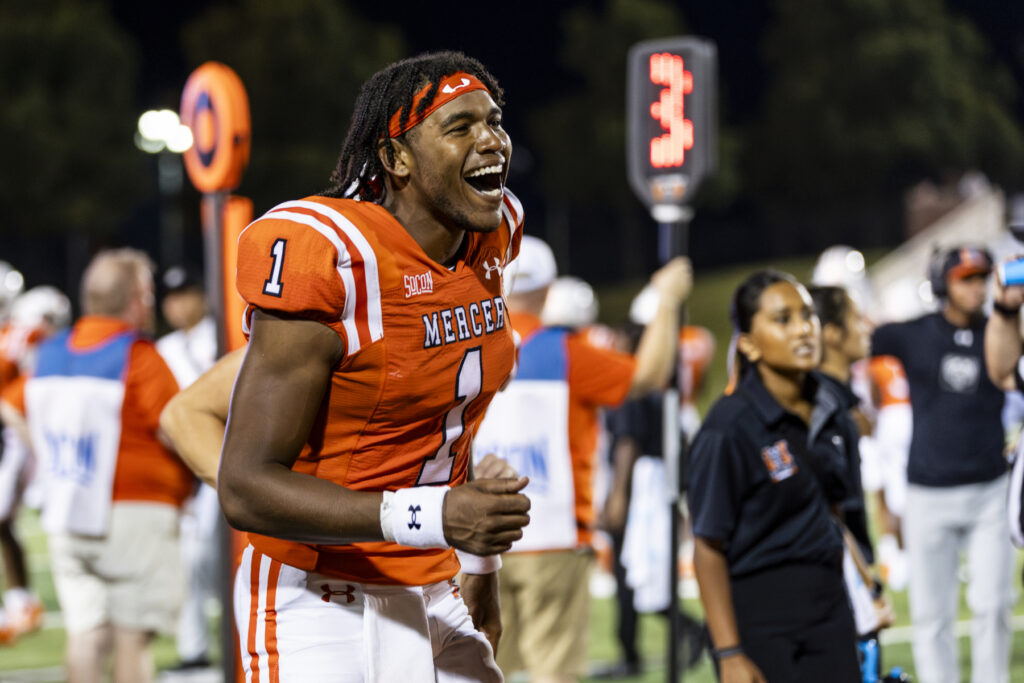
x=864, y=99
x=66, y=123
x=579, y=140
x=302, y=63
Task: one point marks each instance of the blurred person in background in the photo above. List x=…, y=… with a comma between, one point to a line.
x=883, y=413
x=34, y=316
x=545, y=423
x=956, y=473
x=112, y=491
x=190, y=350
x=767, y=468
x=846, y=339
x=890, y=446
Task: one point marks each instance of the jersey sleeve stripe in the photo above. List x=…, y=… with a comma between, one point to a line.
x=512, y=210
x=355, y=236
x=362, y=316
x=511, y=202
x=344, y=271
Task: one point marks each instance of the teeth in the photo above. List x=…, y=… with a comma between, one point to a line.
x=487, y=170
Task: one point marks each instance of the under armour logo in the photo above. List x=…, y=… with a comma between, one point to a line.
x=413, y=524
x=489, y=268
x=349, y=592
x=448, y=89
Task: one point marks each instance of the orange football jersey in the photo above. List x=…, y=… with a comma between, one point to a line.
x=696, y=349
x=426, y=349
x=16, y=342
x=888, y=381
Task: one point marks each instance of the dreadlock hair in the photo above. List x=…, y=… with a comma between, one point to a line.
x=359, y=171
x=746, y=302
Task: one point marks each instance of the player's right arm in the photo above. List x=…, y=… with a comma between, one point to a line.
x=1003, y=342
x=656, y=350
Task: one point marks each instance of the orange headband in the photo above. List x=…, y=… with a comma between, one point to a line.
x=448, y=89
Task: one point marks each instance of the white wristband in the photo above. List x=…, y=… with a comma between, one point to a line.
x=477, y=564
x=413, y=516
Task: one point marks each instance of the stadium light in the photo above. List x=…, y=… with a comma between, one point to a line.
x=161, y=133
x=161, y=129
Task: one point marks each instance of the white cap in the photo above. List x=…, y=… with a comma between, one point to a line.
x=839, y=265
x=42, y=304
x=570, y=303
x=644, y=306
x=533, y=268
x=11, y=285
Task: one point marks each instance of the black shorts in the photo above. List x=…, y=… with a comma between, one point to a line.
x=795, y=623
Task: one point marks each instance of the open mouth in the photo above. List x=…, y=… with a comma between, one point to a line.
x=804, y=350
x=486, y=180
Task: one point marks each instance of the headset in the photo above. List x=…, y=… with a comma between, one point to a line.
x=937, y=272
x=942, y=260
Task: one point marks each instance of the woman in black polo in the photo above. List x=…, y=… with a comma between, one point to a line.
x=767, y=468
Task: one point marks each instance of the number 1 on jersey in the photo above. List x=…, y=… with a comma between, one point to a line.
x=273, y=285
x=437, y=469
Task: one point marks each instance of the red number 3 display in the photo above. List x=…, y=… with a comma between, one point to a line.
x=671, y=131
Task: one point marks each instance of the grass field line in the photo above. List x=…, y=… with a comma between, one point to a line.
x=890, y=636
x=40, y=675
x=904, y=634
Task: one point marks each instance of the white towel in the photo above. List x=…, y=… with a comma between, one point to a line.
x=645, y=546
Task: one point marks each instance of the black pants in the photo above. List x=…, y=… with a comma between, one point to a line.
x=627, y=615
x=795, y=624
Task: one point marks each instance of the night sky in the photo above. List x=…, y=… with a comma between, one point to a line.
x=520, y=42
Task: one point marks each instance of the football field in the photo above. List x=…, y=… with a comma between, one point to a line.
x=38, y=658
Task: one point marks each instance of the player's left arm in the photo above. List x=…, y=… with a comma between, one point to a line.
x=480, y=591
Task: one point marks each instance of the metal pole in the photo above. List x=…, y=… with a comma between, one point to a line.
x=213, y=265
x=672, y=241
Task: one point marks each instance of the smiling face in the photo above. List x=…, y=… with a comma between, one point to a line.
x=455, y=162
x=785, y=334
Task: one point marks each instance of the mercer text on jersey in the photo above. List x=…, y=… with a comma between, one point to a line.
x=461, y=323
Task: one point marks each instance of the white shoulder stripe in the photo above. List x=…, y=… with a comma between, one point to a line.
x=344, y=267
x=372, y=271
x=516, y=206
x=512, y=209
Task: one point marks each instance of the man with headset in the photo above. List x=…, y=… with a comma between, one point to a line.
x=956, y=474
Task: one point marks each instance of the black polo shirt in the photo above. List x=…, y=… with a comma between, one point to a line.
x=641, y=419
x=958, y=430
x=760, y=478
x=853, y=510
